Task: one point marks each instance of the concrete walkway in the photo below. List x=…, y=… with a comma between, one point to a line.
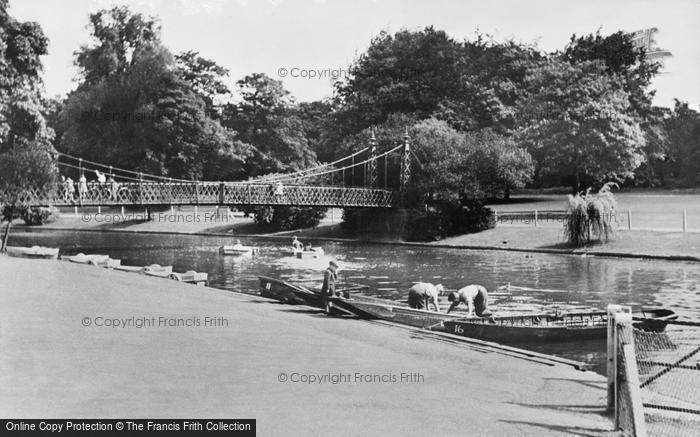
x=52, y=366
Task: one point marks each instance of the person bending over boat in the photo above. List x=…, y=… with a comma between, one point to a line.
x=330, y=277
x=422, y=294
x=475, y=296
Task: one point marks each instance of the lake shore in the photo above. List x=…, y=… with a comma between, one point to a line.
x=673, y=246
x=54, y=364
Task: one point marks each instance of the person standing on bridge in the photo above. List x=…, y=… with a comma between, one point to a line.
x=422, y=294
x=82, y=186
x=475, y=296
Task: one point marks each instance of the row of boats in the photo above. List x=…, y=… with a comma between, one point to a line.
x=39, y=252
x=539, y=327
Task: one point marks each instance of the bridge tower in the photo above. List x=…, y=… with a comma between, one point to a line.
x=372, y=173
x=405, y=166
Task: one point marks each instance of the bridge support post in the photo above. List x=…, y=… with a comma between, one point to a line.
x=405, y=167
x=372, y=174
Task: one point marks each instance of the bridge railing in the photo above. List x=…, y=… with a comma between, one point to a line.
x=211, y=193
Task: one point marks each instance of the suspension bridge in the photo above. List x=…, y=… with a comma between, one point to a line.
x=363, y=179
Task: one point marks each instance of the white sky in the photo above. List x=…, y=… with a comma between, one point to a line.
x=249, y=36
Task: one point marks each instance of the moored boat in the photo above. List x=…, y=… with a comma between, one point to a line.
x=236, y=249
x=296, y=294
x=549, y=327
x=82, y=258
x=380, y=309
x=306, y=253
x=190, y=277
x=37, y=252
x=156, y=269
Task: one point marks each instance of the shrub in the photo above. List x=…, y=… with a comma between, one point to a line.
x=37, y=216
x=286, y=218
x=590, y=215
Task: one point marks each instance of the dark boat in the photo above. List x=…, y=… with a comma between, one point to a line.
x=381, y=309
x=551, y=327
x=296, y=294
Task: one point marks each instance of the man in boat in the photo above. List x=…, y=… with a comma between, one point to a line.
x=330, y=277
x=475, y=296
x=297, y=245
x=422, y=294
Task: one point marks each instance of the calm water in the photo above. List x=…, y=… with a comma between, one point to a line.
x=565, y=282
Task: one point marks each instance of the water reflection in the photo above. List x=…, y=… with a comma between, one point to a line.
x=564, y=282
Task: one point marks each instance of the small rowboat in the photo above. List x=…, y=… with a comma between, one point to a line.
x=191, y=277
x=371, y=308
x=236, y=249
x=296, y=294
x=155, y=268
x=81, y=258
x=303, y=253
x=37, y=252
x=94, y=260
x=550, y=327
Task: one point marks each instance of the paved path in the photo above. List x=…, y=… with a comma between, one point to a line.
x=52, y=366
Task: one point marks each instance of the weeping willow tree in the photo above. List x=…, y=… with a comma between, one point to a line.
x=591, y=217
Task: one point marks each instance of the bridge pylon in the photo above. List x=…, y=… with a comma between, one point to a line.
x=405, y=166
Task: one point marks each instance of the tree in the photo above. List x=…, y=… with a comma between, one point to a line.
x=136, y=108
x=683, y=160
x=265, y=119
x=576, y=122
x=27, y=162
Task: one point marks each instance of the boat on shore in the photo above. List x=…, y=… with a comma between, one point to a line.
x=155, y=268
x=551, y=327
x=191, y=277
x=372, y=308
x=35, y=252
x=94, y=260
x=297, y=294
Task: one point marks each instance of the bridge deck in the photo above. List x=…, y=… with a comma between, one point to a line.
x=212, y=193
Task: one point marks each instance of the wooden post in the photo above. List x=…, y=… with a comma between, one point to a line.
x=75, y=211
x=610, y=366
x=628, y=383
x=99, y=209
x=685, y=219
x=535, y=218
x=122, y=210
x=629, y=219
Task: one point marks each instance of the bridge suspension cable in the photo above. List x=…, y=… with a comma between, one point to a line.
x=112, y=168
x=296, y=175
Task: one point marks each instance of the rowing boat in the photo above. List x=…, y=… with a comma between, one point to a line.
x=191, y=277
x=296, y=294
x=304, y=253
x=94, y=260
x=381, y=309
x=153, y=268
x=236, y=249
x=551, y=326
x=37, y=252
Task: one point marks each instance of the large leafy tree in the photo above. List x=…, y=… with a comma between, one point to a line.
x=266, y=119
x=139, y=109
x=683, y=161
x=577, y=123
x=27, y=162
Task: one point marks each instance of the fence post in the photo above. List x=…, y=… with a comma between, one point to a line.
x=685, y=219
x=610, y=366
x=629, y=219
x=628, y=382
x=535, y=218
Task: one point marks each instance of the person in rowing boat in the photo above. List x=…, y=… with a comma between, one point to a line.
x=475, y=296
x=330, y=277
x=297, y=245
x=422, y=294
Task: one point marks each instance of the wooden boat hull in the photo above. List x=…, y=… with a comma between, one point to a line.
x=380, y=309
x=236, y=250
x=190, y=277
x=550, y=327
x=34, y=252
x=283, y=291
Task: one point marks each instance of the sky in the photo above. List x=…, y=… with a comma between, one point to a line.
x=290, y=39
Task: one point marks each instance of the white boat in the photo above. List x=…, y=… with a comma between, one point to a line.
x=191, y=277
x=33, y=252
x=306, y=253
x=154, y=269
x=236, y=249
